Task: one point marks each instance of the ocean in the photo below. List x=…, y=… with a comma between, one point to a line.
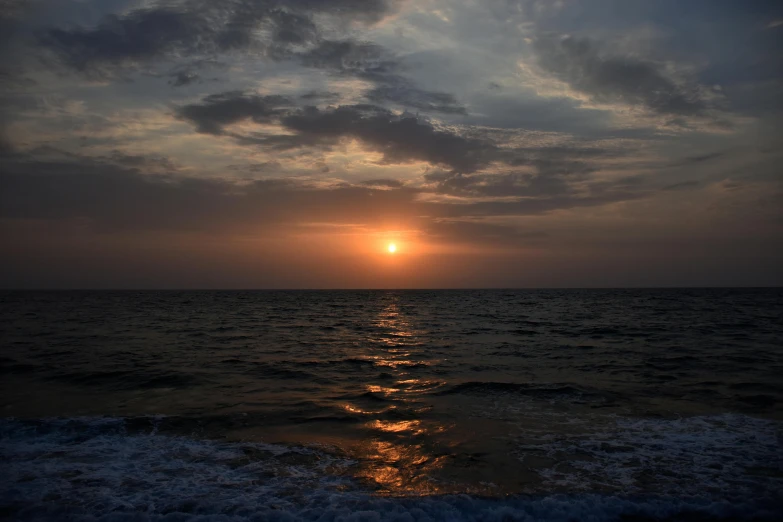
x=626, y=405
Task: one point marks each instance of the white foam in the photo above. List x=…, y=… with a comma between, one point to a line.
x=96, y=466
x=93, y=470
x=732, y=456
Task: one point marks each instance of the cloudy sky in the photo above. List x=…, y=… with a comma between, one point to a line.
x=286, y=143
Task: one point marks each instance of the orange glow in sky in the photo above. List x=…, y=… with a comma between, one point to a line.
x=392, y=248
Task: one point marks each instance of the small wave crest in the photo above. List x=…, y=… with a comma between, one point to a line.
x=127, y=379
x=541, y=391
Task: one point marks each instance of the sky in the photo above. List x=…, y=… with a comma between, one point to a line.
x=287, y=143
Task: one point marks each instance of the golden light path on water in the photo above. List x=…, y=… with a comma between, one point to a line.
x=397, y=458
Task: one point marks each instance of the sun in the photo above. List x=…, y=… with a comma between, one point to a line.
x=392, y=248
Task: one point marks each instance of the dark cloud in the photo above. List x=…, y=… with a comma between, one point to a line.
x=529, y=206
x=280, y=30
x=219, y=110
x=558, y=166
x=320, y=96
x=140, y=36
x=375, y=64
x=15, y=79
x=500, y=185
x=364, y=58
x=403, y=139
x=577, y=151
x=142, y=162
x=685, y=185
x=367, y=11
x=634, y=81
x=6, y=148
x=194, y=71
x=198, y=27
x=265, y=167
x=384, y=183
x=182, y=78
x=691, y=160
x=552, y=172
x=10, y=8
x=411, y=97
x=400, y=139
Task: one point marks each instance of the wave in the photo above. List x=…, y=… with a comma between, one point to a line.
x=269, y=370
x=761, y=401
x=93, y=469
x=127, y=379
x=11, y=367
x=548, y=391
x=373, y=396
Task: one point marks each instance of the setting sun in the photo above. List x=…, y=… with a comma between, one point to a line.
x=392, y=248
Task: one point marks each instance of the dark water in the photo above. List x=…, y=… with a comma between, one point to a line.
x=392, y=405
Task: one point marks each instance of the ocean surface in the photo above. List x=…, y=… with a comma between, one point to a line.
x=624, y=405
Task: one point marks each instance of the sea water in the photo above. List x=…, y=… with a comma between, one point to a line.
x=392, y=405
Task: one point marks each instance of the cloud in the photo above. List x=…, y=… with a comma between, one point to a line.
x=502, y=185
x=476, y=166
x=122, y=191
x=199, y=27
x=383, y=183
x=148, y=163
x=702, y=158
x=377, y=65
x=401, y=139
x=182, y=78
x=218, y=110
x=6, y=148
x=473, y=231
x=634, y=81
x=126, y=41
x=685, y=185
x=408, y=96
x=9, y=8
x=279, y=30
x=14, y=78
x=347, y=56
x=320, y=96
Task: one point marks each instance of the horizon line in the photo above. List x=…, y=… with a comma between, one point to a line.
x=409, y=289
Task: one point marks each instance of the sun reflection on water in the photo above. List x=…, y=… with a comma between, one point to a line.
x=401, y=468
x=413, y=426
x=398, y=456
x=373, y=388
x=353, y=409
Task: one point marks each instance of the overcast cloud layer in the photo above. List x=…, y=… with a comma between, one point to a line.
x=272, y=143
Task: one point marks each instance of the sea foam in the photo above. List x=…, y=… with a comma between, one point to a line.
x=98, y=469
